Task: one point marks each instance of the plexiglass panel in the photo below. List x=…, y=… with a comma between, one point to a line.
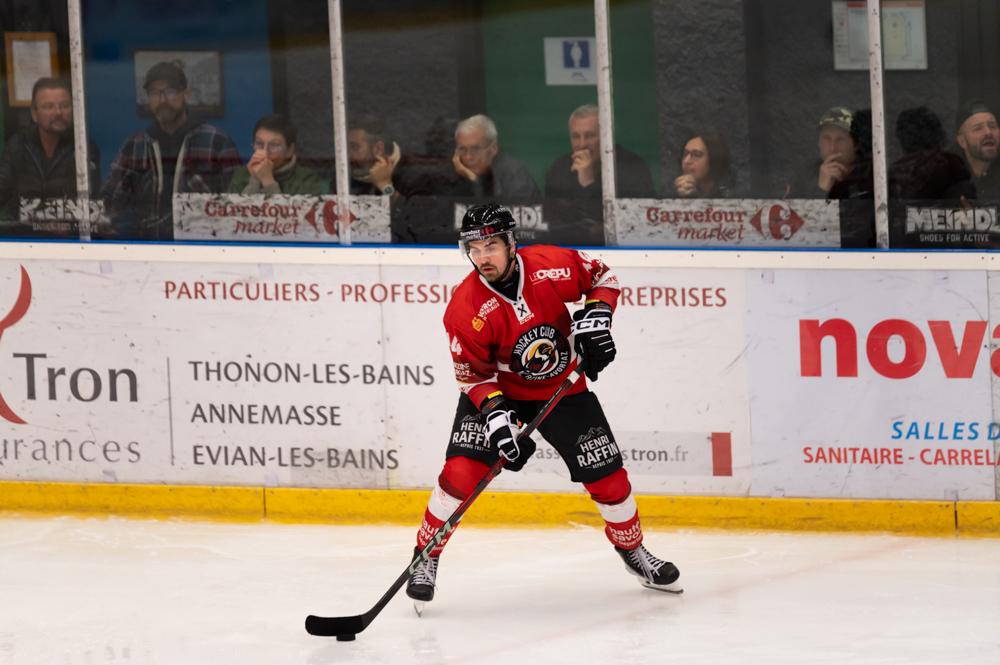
x=38, y=188
x=941, y=97
x=453, y=103
x=213, y=118
x=754, y=118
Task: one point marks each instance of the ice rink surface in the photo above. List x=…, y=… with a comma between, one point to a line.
x=100, y=591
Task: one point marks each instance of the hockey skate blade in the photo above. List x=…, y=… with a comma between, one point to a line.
x=665, y=589
x=418, y=607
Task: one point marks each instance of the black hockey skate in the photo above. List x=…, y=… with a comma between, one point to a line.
x=421, y=585
x=653, y=573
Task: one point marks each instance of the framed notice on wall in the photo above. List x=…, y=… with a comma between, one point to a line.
x=904, y=34
x=30, y=56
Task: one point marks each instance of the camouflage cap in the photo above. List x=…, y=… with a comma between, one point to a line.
x=838, y=116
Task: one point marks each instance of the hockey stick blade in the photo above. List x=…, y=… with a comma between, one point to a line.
x=335, y=626
x=345, y=628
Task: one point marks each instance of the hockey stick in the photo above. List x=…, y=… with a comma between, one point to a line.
x=346, y=628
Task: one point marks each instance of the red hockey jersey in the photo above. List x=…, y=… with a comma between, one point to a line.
x=521, y=346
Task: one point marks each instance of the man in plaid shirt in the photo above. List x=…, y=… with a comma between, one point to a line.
x=176, y=154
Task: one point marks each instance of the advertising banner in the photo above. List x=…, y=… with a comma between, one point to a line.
x=329, y=376
x=727, y=382
x=871, y=384
x=728, y=222
x=55, y=217
x=934, y=226
x=531, y=226
x=280, y=218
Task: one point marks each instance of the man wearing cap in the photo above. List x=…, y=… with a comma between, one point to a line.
x=979, y=138
x=841, y=173
x=176, y=154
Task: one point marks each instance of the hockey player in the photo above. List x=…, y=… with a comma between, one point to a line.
x=508, y=329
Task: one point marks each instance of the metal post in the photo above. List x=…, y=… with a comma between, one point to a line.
x=79, y=116
x=339, y=121
x=878, y=125
x=606, y=114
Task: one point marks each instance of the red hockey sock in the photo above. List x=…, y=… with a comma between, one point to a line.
x=458, y=478
x=613, y=496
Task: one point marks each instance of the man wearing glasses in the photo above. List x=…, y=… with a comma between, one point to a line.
x=176, y=154
x=482, y=169
x=39, y=162
x=273, y=167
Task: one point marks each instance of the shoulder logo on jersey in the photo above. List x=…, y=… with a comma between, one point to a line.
x=456, y=348
x=488, y=307
x=540, y=354
x=522, y=311
x=477, y=323
x=555, y=274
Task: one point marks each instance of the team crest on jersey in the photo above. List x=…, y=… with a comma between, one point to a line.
x=477, y=323
x=540, y=353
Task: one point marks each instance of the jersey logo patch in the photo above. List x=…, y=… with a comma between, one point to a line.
x=488, y=307
x=477, y=323
x=555, y=274
x=540, y=354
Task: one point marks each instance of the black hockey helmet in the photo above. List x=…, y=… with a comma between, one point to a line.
x=485, y=221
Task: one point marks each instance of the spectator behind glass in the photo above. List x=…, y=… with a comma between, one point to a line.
x=926, y=171
x=578, y=174
x=482, y=169
x=844, y=170
x=705, y=167
x=177, y=153
x=374, y=159
x=573, y=189
x=273, y=168
x=978, y=139
x=39, y=162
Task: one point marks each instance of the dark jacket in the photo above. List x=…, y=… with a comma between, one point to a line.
x=633, y=178
x=151, y=167
x=26, y=173
x=930, y=175
x=858, y=184
x=575, y=214
x=509, y=178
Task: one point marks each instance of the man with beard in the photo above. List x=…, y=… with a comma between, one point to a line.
x=978, y=138
x=374, y=158
x=176, y=154
x=513, y=341
x=39, y=162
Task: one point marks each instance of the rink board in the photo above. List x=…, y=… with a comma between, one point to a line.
x=730, y=382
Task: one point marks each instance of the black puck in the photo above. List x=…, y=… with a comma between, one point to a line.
x=346, y=637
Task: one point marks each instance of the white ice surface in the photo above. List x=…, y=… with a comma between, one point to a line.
x=103, y=591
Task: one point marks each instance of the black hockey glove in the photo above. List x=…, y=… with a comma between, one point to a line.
x=591, y=329
x=501, y=430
